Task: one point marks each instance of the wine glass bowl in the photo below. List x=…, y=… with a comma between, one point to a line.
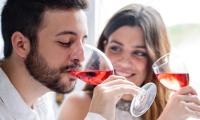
x=96, y=67
x=171, y=71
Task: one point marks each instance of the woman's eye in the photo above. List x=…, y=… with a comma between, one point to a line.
x=140, y=53
x=115, y=49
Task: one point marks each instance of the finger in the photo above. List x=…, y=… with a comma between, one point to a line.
x=120, y=89
x=118, y=81
x=191, y=99
x=193, y=106
x=187, y=90
x=193, y=113
x=113, y=77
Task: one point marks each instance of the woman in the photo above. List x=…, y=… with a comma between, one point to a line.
x=133, y=39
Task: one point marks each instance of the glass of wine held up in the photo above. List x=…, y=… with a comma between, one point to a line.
x=96, y=67
x=171, y=71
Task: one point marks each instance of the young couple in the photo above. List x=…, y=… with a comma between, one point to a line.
x=43, y=41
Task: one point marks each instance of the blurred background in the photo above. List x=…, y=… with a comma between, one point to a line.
x=181, y=17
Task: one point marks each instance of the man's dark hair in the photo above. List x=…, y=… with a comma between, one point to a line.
x=26, y=17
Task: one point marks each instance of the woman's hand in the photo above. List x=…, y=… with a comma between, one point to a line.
x=107, y=94
x=181, y=105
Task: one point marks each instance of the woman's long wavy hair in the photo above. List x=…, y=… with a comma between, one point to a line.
x=156, y=41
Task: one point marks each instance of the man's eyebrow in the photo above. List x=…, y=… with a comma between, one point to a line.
x=69, y=33
x=66, y=32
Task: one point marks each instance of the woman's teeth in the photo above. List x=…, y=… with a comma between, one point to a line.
x=123, y=74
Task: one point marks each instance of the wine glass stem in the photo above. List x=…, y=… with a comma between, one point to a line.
x=138, y=90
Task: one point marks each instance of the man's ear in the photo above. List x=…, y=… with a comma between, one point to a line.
x=21, y=44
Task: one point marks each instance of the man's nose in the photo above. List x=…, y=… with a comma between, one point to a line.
x=78, y=54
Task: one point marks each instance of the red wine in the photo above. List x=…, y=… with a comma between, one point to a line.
x=174, y=81
x=93, y=77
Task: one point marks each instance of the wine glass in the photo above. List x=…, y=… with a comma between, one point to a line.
x=171, y=71
x=96, y=67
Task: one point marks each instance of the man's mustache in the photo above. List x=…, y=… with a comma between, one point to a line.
x=70, y=67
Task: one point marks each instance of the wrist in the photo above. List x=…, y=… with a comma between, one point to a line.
x=106, y=111
x=105, y=115
x=94, y=116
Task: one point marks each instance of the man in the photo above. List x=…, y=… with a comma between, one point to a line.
x=43, y=41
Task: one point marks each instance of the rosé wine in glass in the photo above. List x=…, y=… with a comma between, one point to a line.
x=171, y=72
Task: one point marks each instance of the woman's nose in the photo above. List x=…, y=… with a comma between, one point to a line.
x=126, y=60
x=125, y=63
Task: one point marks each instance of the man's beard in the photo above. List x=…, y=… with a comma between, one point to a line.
x=51, y=78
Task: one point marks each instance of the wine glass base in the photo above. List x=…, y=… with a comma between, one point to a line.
x=143, y=101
